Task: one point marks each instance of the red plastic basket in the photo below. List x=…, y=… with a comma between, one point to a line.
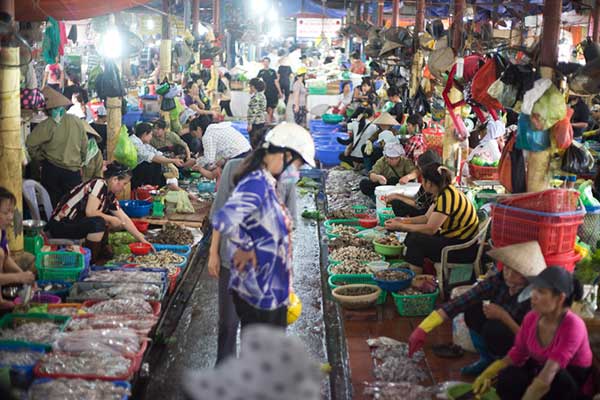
x=173, y=280
x=550, y=201
x=155, y=305
x=125, y=377
x=565, y=260
x=433, y=135
x=555, y=232
x=483, y=173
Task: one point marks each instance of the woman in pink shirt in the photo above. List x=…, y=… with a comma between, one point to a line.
x=551, y=357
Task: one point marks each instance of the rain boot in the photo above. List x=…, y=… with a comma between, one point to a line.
x=485, y=358
x=95, y=249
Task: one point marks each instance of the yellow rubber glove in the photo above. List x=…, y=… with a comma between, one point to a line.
x=536, y=390
x=484, y=381
x=432, y=321
x=369, y=148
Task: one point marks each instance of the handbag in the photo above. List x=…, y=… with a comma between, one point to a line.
x=32, y=99
x=511, y=168
x=167, y=104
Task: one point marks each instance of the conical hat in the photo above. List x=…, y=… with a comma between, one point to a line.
x=92, y=131
x=440, y=61
x=388, y=46
x=54, y=99
x=386, y=119
x=525, y=258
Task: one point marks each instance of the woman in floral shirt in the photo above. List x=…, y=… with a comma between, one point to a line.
x=257, y=108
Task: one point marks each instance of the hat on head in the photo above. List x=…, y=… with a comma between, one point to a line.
x=271, y=366
x=91, y=131
x=387, y=137
x=595, y=108
x=54, y=99
x=556, y=278
x=427, y=158
x=101, y=111
x=386, y=119
x=525, y=258
x=393, y=150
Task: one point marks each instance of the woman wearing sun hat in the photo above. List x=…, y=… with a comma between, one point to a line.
x=492, y=326
x=391, y=169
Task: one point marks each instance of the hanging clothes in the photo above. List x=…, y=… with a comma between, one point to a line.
x=63, y=38
x=51, y=41
x=73, y=34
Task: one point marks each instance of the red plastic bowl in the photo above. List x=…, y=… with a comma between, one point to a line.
x=368, y=222
x=140, y=249
x=141, y=226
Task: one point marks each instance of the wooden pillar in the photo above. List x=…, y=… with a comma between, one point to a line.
x=195, y=16
x=395, y=12
x=596, y=19
x=113, y=125
x=380, y=4
x=458, y=25
x=217, y=16
x=420, y=17
x=418, y=59
x=11, y=148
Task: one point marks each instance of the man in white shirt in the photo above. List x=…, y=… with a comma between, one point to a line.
x=220, y=142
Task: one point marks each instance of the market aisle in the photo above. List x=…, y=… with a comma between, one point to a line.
x=195, y=340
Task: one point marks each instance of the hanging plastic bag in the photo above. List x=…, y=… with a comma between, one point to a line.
x=125, y=151
x=529, y=138
x=483, y=79
x=577, y=159
x=550, y=107
x=504, y=93
x=511, y=169
x=586, y=195
x=485, y=154
x=562, y=131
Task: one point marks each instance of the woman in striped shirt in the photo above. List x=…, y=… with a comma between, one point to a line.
x=451, y=219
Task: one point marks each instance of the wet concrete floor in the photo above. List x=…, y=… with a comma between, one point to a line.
x=194, y=342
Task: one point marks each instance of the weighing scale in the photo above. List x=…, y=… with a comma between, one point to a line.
x=33, y=240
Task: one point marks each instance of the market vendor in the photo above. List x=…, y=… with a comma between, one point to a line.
x=220, y=143
x=194, y=99
x=493, y=312
x=10, y=272
x=91, y=209
x=149, y=170
x=192, y=135
x=397, y=109
x=169, y=142
x=551, y=357
x=364, y=96
x=374, y=147
x=359, y=130
x=391, y=169
x=451, y=220
x=60, y=143
x=405, y=206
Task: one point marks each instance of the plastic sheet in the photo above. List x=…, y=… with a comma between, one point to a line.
x=133, y=306
x=77, y=389
x=19, y=358
x=122, y=341
x=37, y=332
x=141, y=324
x=82, y=291
x=125, y=276
x=93, y=364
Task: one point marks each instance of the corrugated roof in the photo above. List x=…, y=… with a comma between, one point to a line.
x=69, y=10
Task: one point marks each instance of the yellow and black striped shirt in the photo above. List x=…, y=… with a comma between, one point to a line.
x=462, y=221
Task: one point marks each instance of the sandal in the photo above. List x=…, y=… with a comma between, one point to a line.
x=449, y=350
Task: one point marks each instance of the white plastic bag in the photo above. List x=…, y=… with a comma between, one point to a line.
x=488, y=151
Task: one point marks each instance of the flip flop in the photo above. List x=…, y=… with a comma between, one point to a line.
x=449, y=350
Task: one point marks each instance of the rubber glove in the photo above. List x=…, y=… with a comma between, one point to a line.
x=484, y=381
x=368, y=148
x=536, y=390
x=417, y=338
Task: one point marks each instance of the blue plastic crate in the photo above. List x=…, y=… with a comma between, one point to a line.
x=183, y=250
x=148, y=117
x=122, y=384
x=21, y=375
x=131, y=118
x=60, y=293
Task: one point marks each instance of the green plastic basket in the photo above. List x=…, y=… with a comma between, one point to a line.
x=384, y=216
x=349, y=279
x=59, y=266
x=10, y=320
x=350, y=222
x=415, y=305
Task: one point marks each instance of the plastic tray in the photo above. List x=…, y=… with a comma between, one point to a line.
x=22, y=373
x=183, y=250
x=10, y=319
x=122, y=384
x=125, y=377
x=356, y=278
x=156, y=307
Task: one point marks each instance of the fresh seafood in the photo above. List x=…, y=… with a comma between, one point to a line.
x=120, y=341
x=173, y=234
x=392, y=363
x=343, y=230
x=345, y=241
x=131, y=275
x=90, y=363
x=397, y=390
x=356, y=291
x=64, y=311
x=160, y=259
x=148, y=291
x=341, y=214
x=389, y=240
x=141, y=324
x=350, y=267
x=352, y=253
x=76, y=389
x=343, y=190
x=391, y=275
x=36, y=332
x=19, y=358
x=133, y=306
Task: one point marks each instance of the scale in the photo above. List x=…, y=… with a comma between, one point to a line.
x=33, y=240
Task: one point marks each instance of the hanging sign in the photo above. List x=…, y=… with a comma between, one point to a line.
x=311, y=28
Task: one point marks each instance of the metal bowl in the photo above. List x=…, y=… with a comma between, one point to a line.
x=34, y=225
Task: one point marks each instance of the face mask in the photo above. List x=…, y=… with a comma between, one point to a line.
x=290, y=175
x=57, y=114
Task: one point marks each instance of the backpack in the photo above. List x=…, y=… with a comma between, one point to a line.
x=511, y=169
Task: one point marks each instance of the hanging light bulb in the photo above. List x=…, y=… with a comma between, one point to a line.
x=111, y=45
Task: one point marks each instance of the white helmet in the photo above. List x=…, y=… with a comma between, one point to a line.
x=294, y=137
